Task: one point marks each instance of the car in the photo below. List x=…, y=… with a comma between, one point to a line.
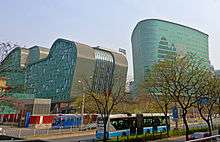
x=2, y=131
x=199, y=135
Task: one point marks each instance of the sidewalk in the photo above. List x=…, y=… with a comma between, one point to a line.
x=62, y=135
x=173, y=139
x=180, y=138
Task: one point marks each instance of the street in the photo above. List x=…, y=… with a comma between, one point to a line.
x=90, y=138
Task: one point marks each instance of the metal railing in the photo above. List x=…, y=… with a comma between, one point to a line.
x=215, y=138
x=27, y=132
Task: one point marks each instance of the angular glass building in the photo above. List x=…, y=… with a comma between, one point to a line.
x=153, y=39
x=55, y=74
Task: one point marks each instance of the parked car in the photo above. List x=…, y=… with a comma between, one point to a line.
x=2, y=131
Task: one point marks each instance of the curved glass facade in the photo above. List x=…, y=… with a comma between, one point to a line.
x=52, y=77
x=104, y=69
x=12, y=67
x=56, y=75
x=153, y=39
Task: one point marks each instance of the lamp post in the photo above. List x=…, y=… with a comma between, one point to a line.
x=82, y=106
x=82, y=109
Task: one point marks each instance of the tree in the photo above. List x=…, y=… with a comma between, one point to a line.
x=157, y=88
x=6, y=48
x=209, y=94
x=105, y=99
x=143, y=103
x=179, y=78
x=89, y=107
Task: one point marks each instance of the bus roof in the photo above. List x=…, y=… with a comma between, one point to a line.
x=134, y=115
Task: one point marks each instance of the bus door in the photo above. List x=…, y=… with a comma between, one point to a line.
x=139, y=123
x=156, y=123
x=132, y=126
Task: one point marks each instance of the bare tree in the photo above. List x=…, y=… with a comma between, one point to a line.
x=6, y=48
x=106, y=99
x=179, y=78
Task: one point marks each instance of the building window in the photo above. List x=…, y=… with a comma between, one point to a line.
x=104, y=68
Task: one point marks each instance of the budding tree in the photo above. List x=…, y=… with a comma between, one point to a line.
x=209, y=95
x=6, y=48
x=178, y=79
x=107, y=98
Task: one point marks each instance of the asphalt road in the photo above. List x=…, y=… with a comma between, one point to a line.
x=90, y=138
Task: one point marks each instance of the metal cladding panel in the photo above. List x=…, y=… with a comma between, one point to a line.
x=43, y=52
x=121, y=67
x=84, y=70
x=24, y=57
x=120, y=59
x=37, y=53
x=153, y=39
x=33, y=55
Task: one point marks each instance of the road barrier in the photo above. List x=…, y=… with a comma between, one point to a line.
x=29, y=132
x=215, y=138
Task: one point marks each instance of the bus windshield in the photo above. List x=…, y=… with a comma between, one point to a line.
x=120, y=123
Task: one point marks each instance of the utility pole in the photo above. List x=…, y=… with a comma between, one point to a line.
x=82, y=104
x=82, y=109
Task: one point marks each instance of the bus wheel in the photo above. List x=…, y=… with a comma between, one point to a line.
x=124, y=134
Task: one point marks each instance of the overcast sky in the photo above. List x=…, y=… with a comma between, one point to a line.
x=103, y=23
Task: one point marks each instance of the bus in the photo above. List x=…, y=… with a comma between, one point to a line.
x=67, y=121
x=73, y=120
x=132, y=124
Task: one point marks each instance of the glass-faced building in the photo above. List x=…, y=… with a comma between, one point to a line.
x=13, y=69
x=55, y=74
x=153, y=39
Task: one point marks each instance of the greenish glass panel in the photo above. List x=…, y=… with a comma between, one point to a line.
x=152, y=38
x=51, y=77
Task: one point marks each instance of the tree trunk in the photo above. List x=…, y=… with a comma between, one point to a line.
x=186, y=124
x=206, y=120
x=212, y=126
x=105, y=129
x=104, y=135
x=209, y=127
x=167, y=124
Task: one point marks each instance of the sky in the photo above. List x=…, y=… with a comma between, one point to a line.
x=104, y=23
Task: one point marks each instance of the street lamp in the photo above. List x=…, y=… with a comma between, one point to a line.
x=82, y=105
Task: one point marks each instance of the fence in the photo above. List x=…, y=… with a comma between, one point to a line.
x=28, y=132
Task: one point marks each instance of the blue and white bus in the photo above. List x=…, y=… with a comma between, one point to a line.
x=67, y=121
x=124, y=124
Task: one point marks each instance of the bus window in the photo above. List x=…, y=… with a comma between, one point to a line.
x=156, y=121
x=147, y=122
x=120, y=124
x=114, y=124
